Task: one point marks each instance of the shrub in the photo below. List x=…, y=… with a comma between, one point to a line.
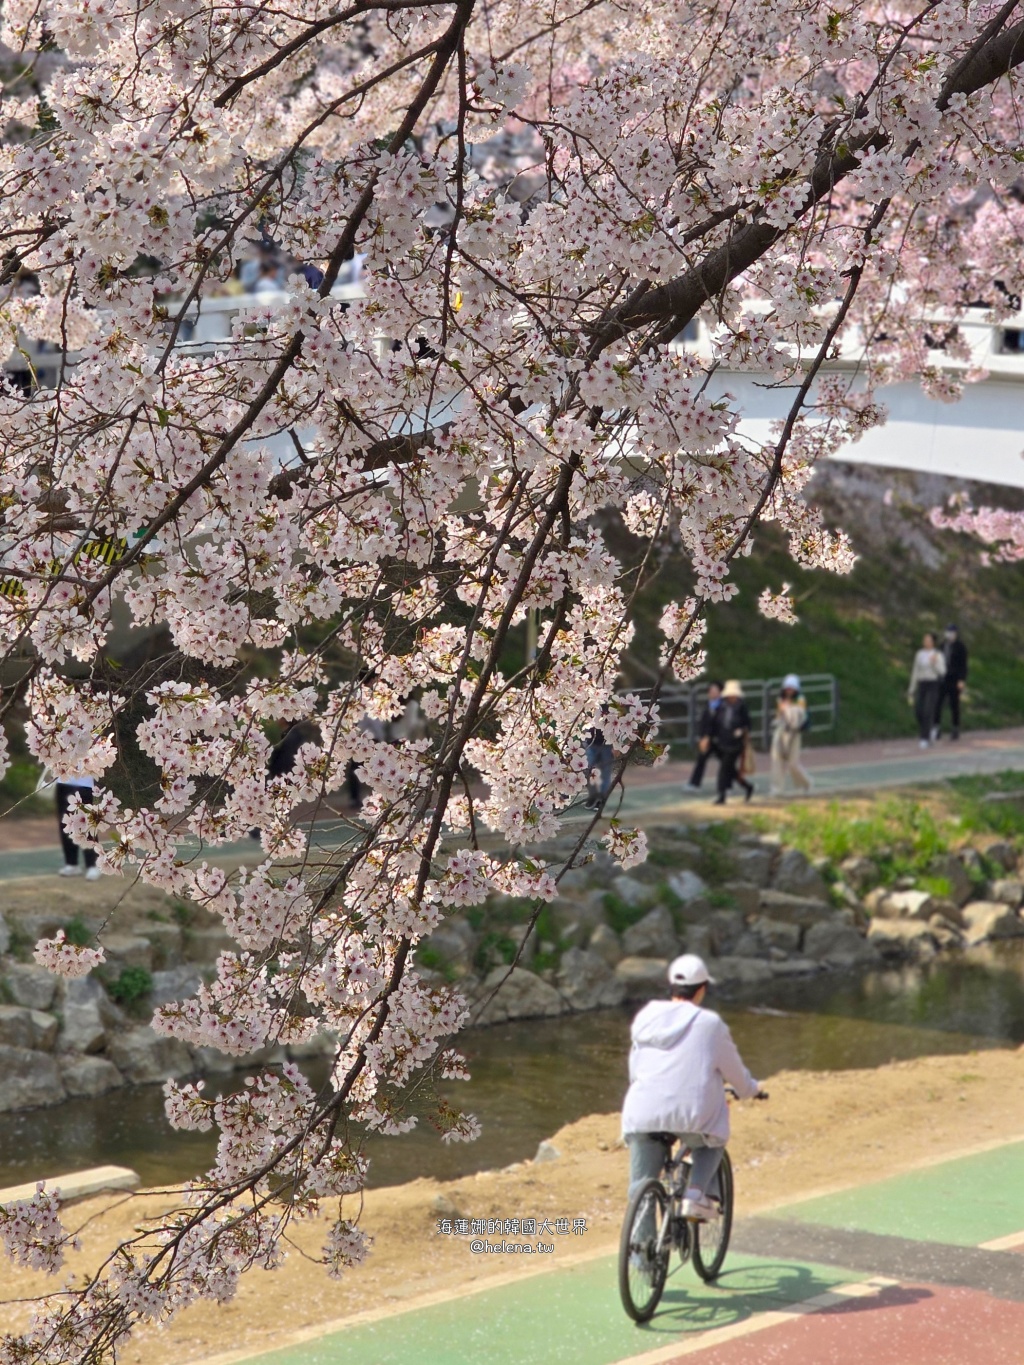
x=132, y=986
x=76, y=931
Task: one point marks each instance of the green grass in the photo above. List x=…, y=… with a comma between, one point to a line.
x=991, y=805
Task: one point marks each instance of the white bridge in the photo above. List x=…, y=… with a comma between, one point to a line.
x=980, y=437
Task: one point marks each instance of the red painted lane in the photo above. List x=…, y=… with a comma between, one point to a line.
x=904, y=1324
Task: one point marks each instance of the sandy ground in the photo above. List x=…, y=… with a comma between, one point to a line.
x=819, y=1132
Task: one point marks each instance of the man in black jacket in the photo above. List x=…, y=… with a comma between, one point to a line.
x=730, y=734
x=954, y=651
x=706, y=735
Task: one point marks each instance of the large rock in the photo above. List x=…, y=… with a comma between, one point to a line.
x=84, y=1016
x=836, y=943
x=990, y=919
x=522, y=995
x=1001, y=853
x=631, y=892
x=143, y=1056
x=903, y=938
x=745, y=896
x=176, y=983
x=28, y=1079
x=587, y=982
x=753, y=864
x=861, y=873
x=447, y=945
x=951, y=869
x=653, y=936
x=576, y=918
x=795, y=966
x=687, y=885
x=795, y=876
x=698, y=940
x=121, y=951
x=741, y=971
x=726, y=927
x=31, y=986
x=606, y=943
x=206, y=945
x=794, y=909
x=1007, y=891
x=776, y=933
x=908, y=905
x=21, y=1027
x=89, y=1077
x=166, y=941
x=643, y=977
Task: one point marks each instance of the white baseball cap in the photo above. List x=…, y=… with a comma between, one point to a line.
x=791, y=680
x=689, y=970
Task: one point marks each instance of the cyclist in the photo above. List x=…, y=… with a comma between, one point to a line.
x=680, y=1060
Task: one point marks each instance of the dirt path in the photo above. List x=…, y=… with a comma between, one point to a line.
x=820, y=1132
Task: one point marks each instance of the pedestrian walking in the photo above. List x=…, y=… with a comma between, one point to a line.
x=787, y=728
x=706, y=746
x=954, y=681
x=600, y=757
x=925, y=681
x=67, y=788
x=732, y=736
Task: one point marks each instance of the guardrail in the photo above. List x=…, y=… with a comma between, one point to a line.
x=680, y=706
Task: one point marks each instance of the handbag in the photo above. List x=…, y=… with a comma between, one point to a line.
x=748, y=759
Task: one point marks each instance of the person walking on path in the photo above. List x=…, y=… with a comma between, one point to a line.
x=787, y=728
x=954, y=680
x=66, y=789
x=925, y=681
x=601, y=756
x=730, y=734
x=681, y=1058
x=706, y=746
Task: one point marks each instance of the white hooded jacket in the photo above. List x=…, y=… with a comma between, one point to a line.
x=681, y=1057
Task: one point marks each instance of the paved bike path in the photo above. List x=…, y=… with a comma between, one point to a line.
x=925, y=1268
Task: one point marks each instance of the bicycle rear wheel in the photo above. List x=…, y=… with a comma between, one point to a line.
x=711, y=1240
x=644, y=1250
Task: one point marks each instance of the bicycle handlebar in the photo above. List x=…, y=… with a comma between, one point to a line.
x=761, y=1094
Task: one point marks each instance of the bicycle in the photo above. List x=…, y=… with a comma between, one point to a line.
x=654, y=1227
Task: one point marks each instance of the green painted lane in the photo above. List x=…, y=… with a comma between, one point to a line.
x=964, y=1202
x=566, y=1317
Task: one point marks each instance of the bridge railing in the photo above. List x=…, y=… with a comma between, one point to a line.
x=680, y=707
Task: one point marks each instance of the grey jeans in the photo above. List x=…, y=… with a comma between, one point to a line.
x=647, y=1156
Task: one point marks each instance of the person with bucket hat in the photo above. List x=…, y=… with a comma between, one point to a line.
x=789, y=724
x=731, y=734
x=681, y=1058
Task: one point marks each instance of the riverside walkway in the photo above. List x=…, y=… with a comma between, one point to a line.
x=925, y=1268
x=657, y=793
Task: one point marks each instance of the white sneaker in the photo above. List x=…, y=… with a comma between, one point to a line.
x=922, y=744
x=701, y=1210
x=93, y=874
x=69, y=870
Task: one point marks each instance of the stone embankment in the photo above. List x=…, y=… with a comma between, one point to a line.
x=754, y=908
x=64, y=1040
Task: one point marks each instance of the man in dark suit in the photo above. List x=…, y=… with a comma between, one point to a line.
x=731, y=731
x=705, y=735
x=954, y=651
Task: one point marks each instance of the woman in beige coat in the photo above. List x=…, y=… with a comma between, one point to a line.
x=787, y=728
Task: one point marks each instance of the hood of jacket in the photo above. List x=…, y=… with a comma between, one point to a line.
x=663, y=1023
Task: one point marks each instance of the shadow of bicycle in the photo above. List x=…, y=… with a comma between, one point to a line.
x=688, y=1306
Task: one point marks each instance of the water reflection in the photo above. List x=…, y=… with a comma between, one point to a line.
x=530, y=1078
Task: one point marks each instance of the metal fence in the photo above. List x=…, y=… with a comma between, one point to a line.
x=680, y=707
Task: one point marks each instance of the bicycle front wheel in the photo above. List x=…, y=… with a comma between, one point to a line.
x=644, y=1250
x=711, y=1240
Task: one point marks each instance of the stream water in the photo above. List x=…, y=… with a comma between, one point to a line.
x=531, y=1078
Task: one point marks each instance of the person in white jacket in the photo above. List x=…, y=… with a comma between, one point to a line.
x=681, y=1058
